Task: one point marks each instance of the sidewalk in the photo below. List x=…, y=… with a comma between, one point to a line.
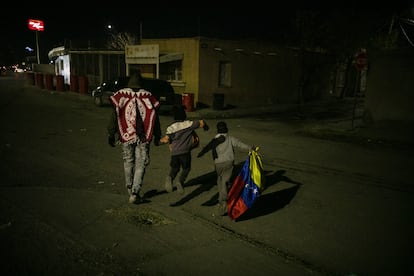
x=332, y=119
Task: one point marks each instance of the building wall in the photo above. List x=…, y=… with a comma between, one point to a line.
x=62, y=67
x=189, y=47
x=262, y=73
x=96, y=65
x=44, y=68
x=390, y=86
x=257, y=69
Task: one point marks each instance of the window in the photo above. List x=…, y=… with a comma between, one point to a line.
x=171, y=71
x=225, y=74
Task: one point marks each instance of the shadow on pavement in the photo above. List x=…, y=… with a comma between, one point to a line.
x=269, y=203
x=205, y=182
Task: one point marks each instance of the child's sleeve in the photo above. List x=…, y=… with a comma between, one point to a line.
x=211, y=145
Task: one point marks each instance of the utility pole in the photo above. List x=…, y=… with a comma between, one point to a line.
x=37, y=47
x=140, y=32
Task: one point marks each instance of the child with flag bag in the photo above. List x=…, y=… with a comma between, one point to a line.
x=223, y=148
x=181, y=138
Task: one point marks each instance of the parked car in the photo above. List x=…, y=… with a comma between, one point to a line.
x=161, y=89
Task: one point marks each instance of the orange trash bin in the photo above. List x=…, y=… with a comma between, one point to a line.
x=83, y=84
x=74, y=85
x=49, y=81
x=60, y=83
x=39, y=80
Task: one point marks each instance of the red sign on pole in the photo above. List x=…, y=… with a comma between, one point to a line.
x=36, y=25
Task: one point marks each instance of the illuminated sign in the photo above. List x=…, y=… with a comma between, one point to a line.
x=36, y=25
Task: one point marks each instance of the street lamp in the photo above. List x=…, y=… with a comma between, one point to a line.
x=111, y=35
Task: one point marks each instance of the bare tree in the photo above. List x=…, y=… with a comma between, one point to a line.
x=118, y=41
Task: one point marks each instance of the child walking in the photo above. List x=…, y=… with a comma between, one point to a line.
x=179, y=136
x=223, y=148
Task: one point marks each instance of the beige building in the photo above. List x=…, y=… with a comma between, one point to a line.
x=214, y=72
x=237, y=73
x=221, y=73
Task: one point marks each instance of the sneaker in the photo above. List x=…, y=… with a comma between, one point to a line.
x=132, y=198
x=168, y=184
x=135, y=199
x=180, y=188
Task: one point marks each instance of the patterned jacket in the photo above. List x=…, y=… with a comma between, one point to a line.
x=135, y=116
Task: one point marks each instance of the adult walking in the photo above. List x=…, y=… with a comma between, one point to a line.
x=134, y=123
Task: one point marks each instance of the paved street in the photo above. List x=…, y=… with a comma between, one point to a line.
x=338, y=206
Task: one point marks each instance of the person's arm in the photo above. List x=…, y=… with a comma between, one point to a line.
x=240, y=145
x=212, y=146
x=206, y=149
x=157, y=130
x=112, y=128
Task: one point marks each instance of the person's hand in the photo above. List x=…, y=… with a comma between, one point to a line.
x=205, y=127
x=111, y=140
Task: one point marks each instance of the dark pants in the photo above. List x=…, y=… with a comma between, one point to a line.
x=181, y=161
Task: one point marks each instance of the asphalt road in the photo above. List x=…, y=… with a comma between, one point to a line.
x=330, y=207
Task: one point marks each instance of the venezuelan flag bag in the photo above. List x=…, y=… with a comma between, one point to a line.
x=247, y=186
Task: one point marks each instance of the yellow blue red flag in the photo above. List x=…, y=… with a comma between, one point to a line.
x=247, y=186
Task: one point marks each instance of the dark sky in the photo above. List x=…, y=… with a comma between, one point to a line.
x=78, y=22
x=74, y=21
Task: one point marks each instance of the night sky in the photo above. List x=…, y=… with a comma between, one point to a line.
x=75, y=22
